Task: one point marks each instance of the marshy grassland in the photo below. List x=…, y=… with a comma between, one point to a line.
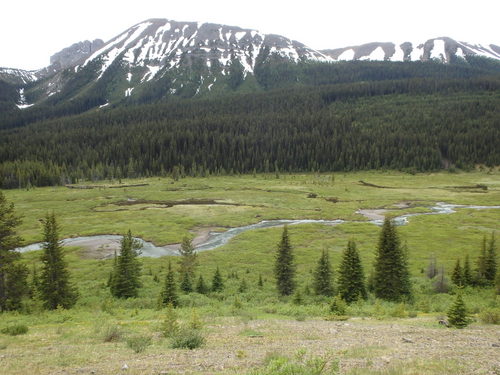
x=250, y=329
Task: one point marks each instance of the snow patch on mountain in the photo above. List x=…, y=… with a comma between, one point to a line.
x=438, y=50
x=22, y=100
x=377, y=54
x=347, y=55
x=443, y=49
x=111, y=52
x=399, y=54
x=24, y=76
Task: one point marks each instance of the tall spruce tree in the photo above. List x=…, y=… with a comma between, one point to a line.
x=217, y=282
x=188, y=257
x=391, y=277
x=351, y=279
x=490, y=262
x=201, y=287
x=169, y=293
x=55, y=287
x=480, y=279
x=13, y=284
x=468, y=278
x=497, y=283
x=125, y=281
x=17, y=285
x=457, y=276
x=186, y=285
x=284, y=268
x=323, y=276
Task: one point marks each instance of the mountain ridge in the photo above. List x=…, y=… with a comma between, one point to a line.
x=188, y=58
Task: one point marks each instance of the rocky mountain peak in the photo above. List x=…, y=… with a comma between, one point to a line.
x=74, y=54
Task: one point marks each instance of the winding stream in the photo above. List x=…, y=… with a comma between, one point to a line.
x=109, y=243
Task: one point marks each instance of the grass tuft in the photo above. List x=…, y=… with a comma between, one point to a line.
x=15, y=330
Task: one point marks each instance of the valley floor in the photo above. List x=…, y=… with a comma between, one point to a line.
x=243, y=330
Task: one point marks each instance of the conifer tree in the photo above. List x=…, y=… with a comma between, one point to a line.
x=13, y=285
x=55, y=287
x=169, y=293
x=441, y=282
x=432, y=269
x=284, y=268
x=351, y=280
x=260, y=283
x=217, y=283
x=125, y=282
x=297, y=298
x=201, y=287
x=457, y=314
x=323, y=276
x=457, y=276
x=481, y=265
x=186, y=285
x=490, y=262
x=467, y=272
x=391, y=278
x=17, y=285
x=188, y=257
x=497, y=283
x=35, y=283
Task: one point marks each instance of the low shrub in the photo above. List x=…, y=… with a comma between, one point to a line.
x=14, y=330
x=112, y=334
x=138, y=343
x=338, y=306
x=490, y=316
x=279, y=365
x=170, y=326
x=187, y=339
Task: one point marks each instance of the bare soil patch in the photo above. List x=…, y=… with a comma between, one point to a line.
x=374, y=214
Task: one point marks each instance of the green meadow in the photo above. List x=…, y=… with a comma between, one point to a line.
x=250, y=329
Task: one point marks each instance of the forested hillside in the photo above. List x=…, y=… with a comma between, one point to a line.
x=310, y=117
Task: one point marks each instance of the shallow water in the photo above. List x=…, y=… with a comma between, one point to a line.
x=217, y=239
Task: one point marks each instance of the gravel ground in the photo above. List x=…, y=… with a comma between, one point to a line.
x=412, y=346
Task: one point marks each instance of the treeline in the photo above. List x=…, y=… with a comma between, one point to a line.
x=416, y=125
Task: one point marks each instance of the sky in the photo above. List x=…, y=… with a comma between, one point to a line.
x=33, y=30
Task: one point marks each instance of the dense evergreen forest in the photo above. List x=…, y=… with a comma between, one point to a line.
x=305, y=117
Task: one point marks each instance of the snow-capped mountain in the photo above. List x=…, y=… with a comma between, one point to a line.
x=443, y=49
x=66, y=58
x=73, y=55
x=161, y=57
x=159, y=43
x=18, y=76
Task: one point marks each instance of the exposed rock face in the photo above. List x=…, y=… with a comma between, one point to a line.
x=71, y=56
